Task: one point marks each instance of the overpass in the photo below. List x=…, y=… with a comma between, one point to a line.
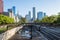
x=38, y=23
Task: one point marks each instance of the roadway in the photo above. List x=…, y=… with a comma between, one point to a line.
x=37, y=32
x=51, y=33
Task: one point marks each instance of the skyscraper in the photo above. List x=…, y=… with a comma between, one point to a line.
x=40, y=15
x=14, y=9
x=44, y=14
x=10, y=13
x=1, y=6
x=33, y=13
x=30, y=15
x=27, y=18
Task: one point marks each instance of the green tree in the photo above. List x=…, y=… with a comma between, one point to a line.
x=49, y=19
x=22, y=20
x=37, y=21
x=58, y=19
x=6, y=20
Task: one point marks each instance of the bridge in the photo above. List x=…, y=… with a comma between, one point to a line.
x=38, y=23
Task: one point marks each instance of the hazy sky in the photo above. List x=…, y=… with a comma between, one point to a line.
x=23, y=6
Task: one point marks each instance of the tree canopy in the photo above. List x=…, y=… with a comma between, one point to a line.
x=50, y=19
x=22, y=20
x=6, y=20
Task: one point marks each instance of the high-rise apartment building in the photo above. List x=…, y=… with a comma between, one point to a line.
x=1, y=6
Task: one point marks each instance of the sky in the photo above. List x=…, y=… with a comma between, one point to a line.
x=50, y=7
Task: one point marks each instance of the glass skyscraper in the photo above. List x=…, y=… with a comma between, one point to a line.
x=30, y=15
x=40, y=15
x=14, y=9
x=34, y=13
x=44, y=14
x=27, y=18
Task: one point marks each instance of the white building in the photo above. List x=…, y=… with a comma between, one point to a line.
x=11, y=15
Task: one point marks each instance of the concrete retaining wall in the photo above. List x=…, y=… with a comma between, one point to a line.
x=3, y=26
x=10, y=33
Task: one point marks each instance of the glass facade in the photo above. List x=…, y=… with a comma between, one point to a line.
x=34, y=13
x=13, y=9
x=40, y=15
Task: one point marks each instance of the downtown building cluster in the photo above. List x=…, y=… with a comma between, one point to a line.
x=39, y=15
x=10, y=13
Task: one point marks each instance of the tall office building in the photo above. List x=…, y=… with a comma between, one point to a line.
x=14, y=10
x=29, y=15
x=27, y=18
x=40, y=15
x=34, y=13
x=44, y=14
x=10, y=13
x=1, y=6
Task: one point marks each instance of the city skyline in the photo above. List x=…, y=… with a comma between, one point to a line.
x=50, y=7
